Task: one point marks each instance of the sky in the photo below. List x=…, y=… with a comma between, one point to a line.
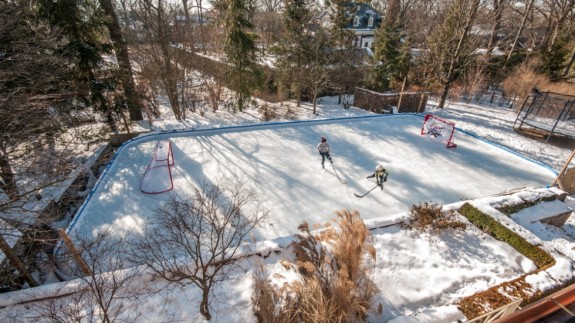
x=420, y=277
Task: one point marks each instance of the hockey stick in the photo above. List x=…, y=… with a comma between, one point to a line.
x=338, y=178
x=370, y=190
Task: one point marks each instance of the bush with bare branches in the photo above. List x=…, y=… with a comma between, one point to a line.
x=334, y=266
x=429, y=218
x=106, y=290
x=524, y=78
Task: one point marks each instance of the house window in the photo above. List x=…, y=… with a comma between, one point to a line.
x=370, y=22
x=355, y=21
x=366, y=44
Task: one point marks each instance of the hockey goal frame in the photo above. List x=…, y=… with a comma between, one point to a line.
x=432, y=118
x=169, y=158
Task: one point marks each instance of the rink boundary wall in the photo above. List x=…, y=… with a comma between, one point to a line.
x=167, y=134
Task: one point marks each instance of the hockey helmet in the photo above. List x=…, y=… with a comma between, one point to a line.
x=379, y=168
x=323, y=139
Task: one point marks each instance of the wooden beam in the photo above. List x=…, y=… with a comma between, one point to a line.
x=16, y=262
x=563, y=169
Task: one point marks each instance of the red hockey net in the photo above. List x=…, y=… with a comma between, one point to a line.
x=439, y=129
x=158, y=175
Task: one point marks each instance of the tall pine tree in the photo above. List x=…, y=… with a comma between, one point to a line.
x=391, y=58
x=83, y=25
x=290, y=50
x=240, y=49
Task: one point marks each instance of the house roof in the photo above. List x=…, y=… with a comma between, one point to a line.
x=363, y=12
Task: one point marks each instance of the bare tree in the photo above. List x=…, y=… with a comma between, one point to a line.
x=450, y=46
x=194, y=240
x=156, y=52
x=558, y=13
x=498, y=9
x=316, y=71
x=109, y=289
x=521, y=26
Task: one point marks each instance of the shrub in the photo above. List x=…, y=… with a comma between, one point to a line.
x=495, y=297
x=524, y=78
x=335, y=283
x=514, y=208
x=489, y=225
x=429, y=218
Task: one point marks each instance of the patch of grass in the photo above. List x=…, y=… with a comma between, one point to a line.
x=490, y=226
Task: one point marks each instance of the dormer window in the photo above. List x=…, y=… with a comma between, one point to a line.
x=370, y=22
x=356, y=21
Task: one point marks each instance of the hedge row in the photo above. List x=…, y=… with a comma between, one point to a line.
x=512, y=209
x=489, y=225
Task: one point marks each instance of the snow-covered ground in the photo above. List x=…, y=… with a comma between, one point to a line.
x=420, y=278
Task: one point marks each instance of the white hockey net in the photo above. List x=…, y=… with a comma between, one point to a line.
x=158, y=175
x=439, y=129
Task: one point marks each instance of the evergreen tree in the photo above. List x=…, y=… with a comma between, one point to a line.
x=391, y=59
x=291, y=47
x=83, y=26
x=33, y=81
x=553, y=60
x=123, y=57
x=341, y=14
x=240, y=49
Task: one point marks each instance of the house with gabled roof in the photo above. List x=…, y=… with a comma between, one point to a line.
x=363, y=21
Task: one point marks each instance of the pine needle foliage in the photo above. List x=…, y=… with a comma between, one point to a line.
x=335, y=266
x=241, y=51
x=428, y=217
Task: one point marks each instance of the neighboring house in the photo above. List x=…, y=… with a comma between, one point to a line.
x=194, y=20
x=363, y=21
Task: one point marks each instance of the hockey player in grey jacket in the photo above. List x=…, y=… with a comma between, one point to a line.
x=323, y=149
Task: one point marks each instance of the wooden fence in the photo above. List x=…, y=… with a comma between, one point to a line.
x=411, y=102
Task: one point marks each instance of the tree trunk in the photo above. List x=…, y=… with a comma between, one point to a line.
x=16, y=263
x=186, y=12
x=498, y=7
x=444, y=93
x=456, y=55
x=121, y=49
x=204, y=309
x=8, y=185
x=527, y=10
x=570, y=62
x=314, y=103
x=392, y=13
x=168, y=75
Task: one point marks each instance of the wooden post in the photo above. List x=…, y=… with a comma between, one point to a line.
x=83, y=266
x=11, y=255
x=563, y=170
x=401, y=94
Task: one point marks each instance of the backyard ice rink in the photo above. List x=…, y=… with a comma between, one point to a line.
x=281, y=161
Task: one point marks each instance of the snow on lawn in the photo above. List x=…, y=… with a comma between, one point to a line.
x=282, y=162
x=421, y=277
